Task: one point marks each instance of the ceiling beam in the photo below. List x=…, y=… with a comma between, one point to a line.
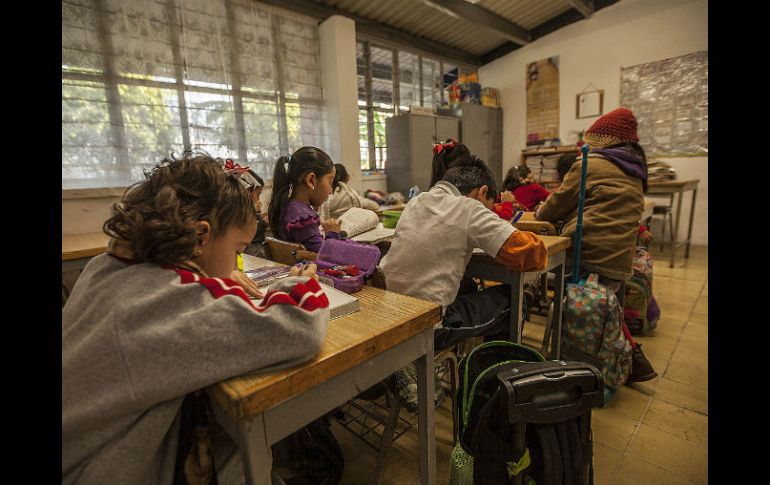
x=550, y=25
x=375, y=30
x=484, y=18
x=585, y=7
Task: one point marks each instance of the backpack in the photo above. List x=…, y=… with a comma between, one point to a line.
x=313, y=453
x=521, y=417
x=477, y=388
x=641, y=311
x=592, y=333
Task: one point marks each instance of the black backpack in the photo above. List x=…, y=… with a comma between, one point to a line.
x=313, y=452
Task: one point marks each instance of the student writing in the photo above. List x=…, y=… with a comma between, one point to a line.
x=157, y=318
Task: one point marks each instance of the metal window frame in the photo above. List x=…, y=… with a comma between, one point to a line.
x=367, y=43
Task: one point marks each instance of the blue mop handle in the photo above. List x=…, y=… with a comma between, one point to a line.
x=579, y=225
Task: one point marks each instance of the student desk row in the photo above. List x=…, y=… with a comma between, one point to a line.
x=672, y=188
x=388, y=332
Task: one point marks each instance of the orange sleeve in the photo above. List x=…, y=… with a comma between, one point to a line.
x=523, y=251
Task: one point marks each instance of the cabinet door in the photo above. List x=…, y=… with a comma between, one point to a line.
x=399, y=168
x=495, y=144
x=423, y=133
x=447, y=128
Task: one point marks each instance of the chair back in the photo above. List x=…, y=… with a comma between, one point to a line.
x=286, y=252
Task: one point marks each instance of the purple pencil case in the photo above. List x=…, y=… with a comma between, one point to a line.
x=335, y=252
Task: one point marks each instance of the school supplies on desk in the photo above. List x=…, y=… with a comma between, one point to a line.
x=517, y=217
x=264, y=275
x=342, y=252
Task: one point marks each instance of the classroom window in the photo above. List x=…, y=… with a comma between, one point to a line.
x=391, y=81
x=146, y=78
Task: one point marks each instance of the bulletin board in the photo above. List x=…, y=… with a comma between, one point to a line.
x=542, y=100
x=670, y=101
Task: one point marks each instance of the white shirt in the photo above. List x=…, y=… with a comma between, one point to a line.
x=434, y=240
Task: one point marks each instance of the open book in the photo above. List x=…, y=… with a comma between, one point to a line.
x=357, y=220
x=374, y=236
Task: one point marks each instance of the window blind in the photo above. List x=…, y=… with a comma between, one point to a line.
x=146, y=78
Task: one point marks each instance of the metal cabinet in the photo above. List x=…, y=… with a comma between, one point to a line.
x=481, y=130
x=410, y=138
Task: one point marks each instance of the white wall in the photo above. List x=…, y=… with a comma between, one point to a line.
x=627, y=33
x=340, y=92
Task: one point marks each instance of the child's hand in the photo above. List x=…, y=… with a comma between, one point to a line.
x=245, y=282
x=304, y=270
x=507, y=196
x=331, y=225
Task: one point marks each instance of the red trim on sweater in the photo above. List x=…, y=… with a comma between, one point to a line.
x=311, y=291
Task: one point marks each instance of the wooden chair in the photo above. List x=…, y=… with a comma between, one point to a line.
x=286, y=252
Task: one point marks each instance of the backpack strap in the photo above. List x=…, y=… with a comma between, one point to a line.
x=552, y=462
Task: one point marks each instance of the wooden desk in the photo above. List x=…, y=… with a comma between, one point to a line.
x=671, y=188
x=538, y=227
x=77, y=249
x=361, y=349
x=394, y=207
x=484, y=266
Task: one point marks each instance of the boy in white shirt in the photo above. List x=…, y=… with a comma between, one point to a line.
x=433, y=243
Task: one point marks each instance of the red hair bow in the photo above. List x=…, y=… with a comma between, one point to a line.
x=231, y=166
x=439, y=147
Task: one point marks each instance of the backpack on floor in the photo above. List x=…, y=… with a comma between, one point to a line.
x=592, y=331
x=477, y=387
x=641, y=311
x=312, y=453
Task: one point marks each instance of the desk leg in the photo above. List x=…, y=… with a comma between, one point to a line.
x=426, y=408
x=558, y=303
x=256, y=454
x=689, y=228
x=517, y=298
x=675, y=236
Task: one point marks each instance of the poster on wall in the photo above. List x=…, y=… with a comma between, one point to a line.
x=670, y=101
x=543, y=101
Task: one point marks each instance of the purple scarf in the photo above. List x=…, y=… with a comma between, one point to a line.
x=631, y=163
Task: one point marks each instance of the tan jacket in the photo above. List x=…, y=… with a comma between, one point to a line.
x=612, y=211
x=343, y=199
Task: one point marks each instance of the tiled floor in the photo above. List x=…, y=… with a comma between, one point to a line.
x=653, y=433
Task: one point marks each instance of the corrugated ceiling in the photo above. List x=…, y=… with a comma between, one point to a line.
x=418, y=18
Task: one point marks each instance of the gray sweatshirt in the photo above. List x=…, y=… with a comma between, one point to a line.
x=136, y=338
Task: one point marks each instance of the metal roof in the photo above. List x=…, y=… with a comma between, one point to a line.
x=475, y=30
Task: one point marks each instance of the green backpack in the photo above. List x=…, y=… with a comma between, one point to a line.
x=479, y=385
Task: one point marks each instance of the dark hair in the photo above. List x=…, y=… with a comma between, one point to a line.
x=445, y=159
x=288, y=175
x=564, y=164
x=157, y=217
x=515, y=176
x=340, y=176
x=469, y=173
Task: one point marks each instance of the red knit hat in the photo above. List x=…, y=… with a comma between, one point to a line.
x=617, y=126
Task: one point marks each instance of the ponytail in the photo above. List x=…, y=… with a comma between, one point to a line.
x=279, y=197
x=341, y=175
x=444, y=154
x=287, y=176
